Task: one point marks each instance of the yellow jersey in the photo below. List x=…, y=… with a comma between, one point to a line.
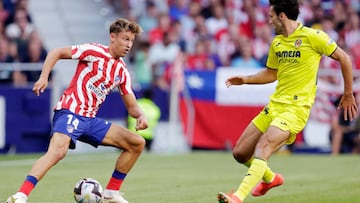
x=296, y=59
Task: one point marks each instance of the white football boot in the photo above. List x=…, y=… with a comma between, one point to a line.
x=113, y=196
x=18, y=197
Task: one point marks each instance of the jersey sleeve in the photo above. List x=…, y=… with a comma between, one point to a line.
x=125, y=85
x=83, y=52
x=322, y=43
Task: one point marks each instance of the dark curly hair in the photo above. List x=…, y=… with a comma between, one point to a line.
x=289, y=7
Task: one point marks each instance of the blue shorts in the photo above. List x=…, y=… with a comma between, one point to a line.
x=88, y=130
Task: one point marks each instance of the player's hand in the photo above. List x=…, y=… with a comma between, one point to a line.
x=141, y=123
x=349, y=106
x=235, y=80
x=40, y=86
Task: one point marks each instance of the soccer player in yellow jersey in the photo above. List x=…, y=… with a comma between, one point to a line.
x=293, y=61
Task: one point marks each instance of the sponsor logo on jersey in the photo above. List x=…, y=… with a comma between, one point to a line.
x=288, y=56
x=100, y=92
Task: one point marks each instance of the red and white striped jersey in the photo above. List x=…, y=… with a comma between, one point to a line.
x=97, y=74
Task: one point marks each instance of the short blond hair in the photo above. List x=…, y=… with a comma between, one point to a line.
x=122, y=24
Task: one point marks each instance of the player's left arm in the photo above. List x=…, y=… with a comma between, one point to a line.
x=347, y=102
x=135, y=111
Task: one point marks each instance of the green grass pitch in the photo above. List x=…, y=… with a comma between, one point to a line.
x=190, y=178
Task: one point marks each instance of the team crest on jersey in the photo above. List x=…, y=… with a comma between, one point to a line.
x=70, y=128
x=298, y=43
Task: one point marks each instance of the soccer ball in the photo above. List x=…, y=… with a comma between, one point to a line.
x=88, y=190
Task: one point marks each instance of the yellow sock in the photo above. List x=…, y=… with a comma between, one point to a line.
x=268, y=175
x=253, y=176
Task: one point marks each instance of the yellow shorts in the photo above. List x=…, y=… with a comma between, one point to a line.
x=283, y=116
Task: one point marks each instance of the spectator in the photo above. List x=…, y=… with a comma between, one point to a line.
x=12, y=6
x=255, y=16
x=202, y=58
x=161, y=56
x=9, y=75
x=210, y=49
x=355, y=53
x=152, y=113
x=197, y=60
x=178, y=9
x=163, y=26
x=200, y=31
x=4, y=14
x=19, y=33
x=344, y=134
x=5, y=57
x=339, y=12
x=328, y=26
x=243, y=58
x=5, y=50
x=188, y=21
x=35, y=53
x=217, y=21
x=21, y=28
x=178, y=36
x=352, y=30
x=261, y=42
x=142, y=66
x=226, y=43
x=148, y=20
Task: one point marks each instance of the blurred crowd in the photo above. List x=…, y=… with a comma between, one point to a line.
x=201, y=34
x=19, y=42
x=224, y=33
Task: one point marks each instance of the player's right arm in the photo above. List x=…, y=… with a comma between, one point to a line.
x=347, y=102
x=265, y=76
x=52, y=57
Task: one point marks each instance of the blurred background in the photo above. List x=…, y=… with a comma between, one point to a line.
x=187, y=50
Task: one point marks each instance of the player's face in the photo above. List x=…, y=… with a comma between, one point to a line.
x=121, y=43
x=275, y=21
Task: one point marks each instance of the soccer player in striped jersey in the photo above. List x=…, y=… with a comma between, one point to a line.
x=293, y=61
x=100, y=69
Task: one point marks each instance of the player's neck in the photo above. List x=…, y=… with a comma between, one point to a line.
x=289, y=27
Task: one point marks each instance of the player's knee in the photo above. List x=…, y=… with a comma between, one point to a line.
x=138, y=144
x=142, y=143
x=240, y=155
x=57, y=154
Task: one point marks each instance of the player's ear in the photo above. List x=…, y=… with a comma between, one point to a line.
x=112, y=36
x=281, y=15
